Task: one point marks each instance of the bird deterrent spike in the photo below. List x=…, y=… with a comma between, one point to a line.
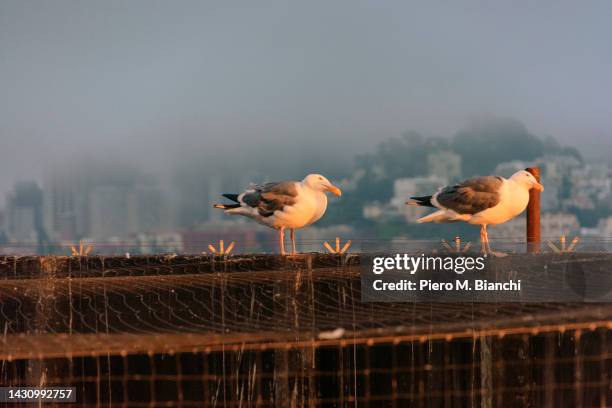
x=222, y=249
x=346, y=246
x=564, y=248
x=82, y=250
x=573, y=244
x=562, y=242
x=447, y=246
x=338, y=249
x=457, y=248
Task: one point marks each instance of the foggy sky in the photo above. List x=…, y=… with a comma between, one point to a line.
x=151, y=80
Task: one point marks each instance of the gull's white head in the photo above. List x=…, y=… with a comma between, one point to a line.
x=320, y=183
x=526, y=179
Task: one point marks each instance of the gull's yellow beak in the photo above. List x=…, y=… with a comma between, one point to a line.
x=334, y=190
x=539, y=187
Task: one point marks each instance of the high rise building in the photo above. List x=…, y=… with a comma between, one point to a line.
x=24, y=222
x=65, y=193
x=444, y=164
x=146, y=209
x=108, y=212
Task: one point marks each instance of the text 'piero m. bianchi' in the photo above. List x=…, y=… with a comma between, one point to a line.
x=432, y=277
x=413, y=264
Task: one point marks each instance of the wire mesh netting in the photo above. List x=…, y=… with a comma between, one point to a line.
x=284, y=331
x=267, y=242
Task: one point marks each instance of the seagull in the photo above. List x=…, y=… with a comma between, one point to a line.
x=285, y=204
x=483, y=201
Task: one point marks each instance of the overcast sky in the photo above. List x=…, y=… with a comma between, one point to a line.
x=153, y=78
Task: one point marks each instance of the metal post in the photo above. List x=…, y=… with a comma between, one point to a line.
x=533, y=215
x=486, y=372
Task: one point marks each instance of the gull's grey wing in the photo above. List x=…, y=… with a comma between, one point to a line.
x=271, y=197
x=471, y=196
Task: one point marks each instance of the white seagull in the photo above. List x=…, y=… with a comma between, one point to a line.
x=483, y=201
x=285, y=204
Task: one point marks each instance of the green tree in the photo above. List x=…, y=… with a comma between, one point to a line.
x=490, y=141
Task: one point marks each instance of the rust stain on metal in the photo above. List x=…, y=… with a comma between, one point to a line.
x=533, y=215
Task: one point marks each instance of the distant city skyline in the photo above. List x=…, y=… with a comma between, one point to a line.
x=122, y=205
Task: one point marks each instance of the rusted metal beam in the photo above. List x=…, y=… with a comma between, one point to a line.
x=533, y=215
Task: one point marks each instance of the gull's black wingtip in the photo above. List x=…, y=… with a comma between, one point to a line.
x=423, y=201
x=233, y=197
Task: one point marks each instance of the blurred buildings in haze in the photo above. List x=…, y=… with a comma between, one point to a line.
x=24, y=214
x=120, y=206
x=445, y=165
x=101, y=202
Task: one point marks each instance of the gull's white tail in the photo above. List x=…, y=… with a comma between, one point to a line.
x=442, y=216
x=437, y=216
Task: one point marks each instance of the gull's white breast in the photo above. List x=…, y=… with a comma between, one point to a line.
x=309, y=206
x=513, y=201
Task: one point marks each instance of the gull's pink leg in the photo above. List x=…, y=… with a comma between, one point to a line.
x=489, y=251
x=293, y=241
x=486, y=239
x=281, y=237
x=483, y=245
